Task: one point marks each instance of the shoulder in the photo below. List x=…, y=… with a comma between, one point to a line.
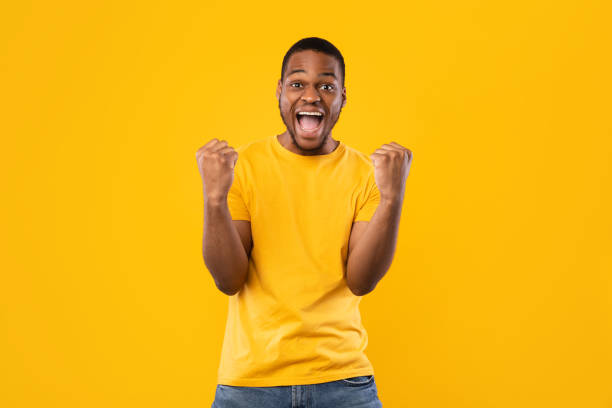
x=250, y=155
x=362, y=161
x=250, y=152
x=252, y=149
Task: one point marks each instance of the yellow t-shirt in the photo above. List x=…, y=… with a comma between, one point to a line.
x=295, y=321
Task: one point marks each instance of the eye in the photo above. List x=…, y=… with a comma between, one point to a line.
x=295, y=83
x=329, y=87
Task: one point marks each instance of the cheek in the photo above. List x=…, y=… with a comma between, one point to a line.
x=285, y=104
x=285, y=108
x=336, y=106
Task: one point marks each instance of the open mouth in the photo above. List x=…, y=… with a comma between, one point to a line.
x=309, y=122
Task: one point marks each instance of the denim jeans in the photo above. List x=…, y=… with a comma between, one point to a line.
x=352, y=392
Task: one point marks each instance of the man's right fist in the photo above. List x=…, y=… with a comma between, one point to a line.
x=216, y=161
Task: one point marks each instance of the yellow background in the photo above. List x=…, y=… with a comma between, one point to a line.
x=500, y=291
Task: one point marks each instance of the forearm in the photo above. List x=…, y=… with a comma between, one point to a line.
x=373, y=254
x=222, y=249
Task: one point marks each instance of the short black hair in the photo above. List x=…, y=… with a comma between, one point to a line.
x=315, y=44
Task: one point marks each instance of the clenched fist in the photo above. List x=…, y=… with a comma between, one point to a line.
x=391, y=166
x=216, y=161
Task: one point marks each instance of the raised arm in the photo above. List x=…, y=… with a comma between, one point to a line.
x=372, y=244
x=226, y=244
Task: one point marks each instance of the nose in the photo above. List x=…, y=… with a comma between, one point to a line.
x=311, y=95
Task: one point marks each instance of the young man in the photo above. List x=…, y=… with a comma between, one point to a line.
x=295, y=232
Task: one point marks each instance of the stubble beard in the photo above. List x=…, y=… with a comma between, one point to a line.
x=323, y=141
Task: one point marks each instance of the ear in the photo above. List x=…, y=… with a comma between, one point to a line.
x=343, y=96
x=278, y=89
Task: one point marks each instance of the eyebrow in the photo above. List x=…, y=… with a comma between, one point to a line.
x=321, y=74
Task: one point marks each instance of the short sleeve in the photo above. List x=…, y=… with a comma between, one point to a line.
x=369, y=200
x=236, y=197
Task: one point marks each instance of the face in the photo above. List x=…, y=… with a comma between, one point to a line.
x=312, y=84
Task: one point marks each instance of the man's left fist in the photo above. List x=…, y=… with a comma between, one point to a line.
x=391, y=166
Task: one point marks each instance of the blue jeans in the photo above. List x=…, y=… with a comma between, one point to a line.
x=352, y=392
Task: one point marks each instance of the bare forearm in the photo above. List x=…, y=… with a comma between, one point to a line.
x=222, y=249
x=373, y=254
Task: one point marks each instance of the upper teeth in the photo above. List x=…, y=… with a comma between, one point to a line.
x=311, y=113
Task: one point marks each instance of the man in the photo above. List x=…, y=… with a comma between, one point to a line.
x=295, y=232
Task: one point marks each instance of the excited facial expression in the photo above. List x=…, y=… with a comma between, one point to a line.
x=310, y=97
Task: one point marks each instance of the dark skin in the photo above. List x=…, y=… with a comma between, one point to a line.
x=312, y=81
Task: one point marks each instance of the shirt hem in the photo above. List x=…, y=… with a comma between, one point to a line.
x=279, y=381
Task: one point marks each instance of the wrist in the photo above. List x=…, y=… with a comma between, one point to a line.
x=215, y=200
x=390, y=201
x=391, y=198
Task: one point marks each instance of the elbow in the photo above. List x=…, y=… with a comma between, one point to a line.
x=355, y=292
x=359, y=287
x=229, y=282
x=361, y=291
x=232, y=284
x=229, y=290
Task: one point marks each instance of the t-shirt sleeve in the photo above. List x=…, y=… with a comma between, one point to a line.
x=369, y=200
x=236, y=197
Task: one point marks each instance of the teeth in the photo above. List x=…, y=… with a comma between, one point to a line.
x=310, y=113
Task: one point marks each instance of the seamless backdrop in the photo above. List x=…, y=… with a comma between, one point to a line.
x=499, y=295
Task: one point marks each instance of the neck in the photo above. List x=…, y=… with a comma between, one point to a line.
x=327, y=146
